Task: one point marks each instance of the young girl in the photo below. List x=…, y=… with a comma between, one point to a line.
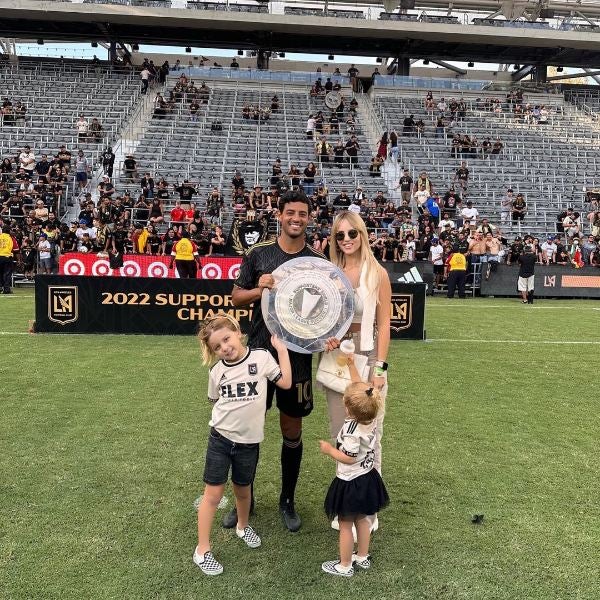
x=357, y=490
x=238, y=387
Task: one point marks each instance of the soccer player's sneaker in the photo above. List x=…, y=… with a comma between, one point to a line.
x=207, y=563
x=249, y=536
x=291, y=519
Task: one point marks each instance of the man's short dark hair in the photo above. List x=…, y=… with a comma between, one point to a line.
x=293, y=196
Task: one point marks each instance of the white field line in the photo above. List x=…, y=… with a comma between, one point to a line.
x=17, y=296
x=541, y=342
x=484, y=307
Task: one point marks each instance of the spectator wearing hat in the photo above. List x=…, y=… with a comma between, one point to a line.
x=525, y=282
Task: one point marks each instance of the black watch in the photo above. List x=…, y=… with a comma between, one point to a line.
x=381, y=365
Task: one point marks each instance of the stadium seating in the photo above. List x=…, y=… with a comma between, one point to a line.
x=549, y=164
x=55, y=95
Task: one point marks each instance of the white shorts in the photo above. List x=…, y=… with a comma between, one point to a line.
x=525, y=284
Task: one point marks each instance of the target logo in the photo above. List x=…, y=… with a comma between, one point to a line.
x=211, y=271
x=158, y=269
x=130, y=269
x=234, y=271
x=74, y=267
x=101, y=268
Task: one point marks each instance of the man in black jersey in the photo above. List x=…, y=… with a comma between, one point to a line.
x=294, y=404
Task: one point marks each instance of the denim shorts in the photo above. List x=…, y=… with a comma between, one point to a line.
x=223, y=453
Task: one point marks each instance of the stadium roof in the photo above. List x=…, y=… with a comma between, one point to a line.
x=220, y=29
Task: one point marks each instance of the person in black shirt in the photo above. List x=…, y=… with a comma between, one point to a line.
x=108, y=161
x=352, y=148
x=294, y=404
x=130, y=167
x=186, y=191
x=525, y=283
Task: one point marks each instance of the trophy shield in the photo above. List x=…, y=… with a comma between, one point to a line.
x=312, y=300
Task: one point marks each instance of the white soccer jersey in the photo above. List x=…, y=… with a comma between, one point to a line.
x=239, y=391
x=356, y=440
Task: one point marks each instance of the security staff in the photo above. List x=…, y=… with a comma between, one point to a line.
x=185, y=256
x=457, y=274
x=6, y=259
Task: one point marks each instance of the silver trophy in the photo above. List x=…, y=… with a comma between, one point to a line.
x=312, y=300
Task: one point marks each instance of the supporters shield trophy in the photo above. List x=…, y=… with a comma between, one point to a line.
x=311, y=301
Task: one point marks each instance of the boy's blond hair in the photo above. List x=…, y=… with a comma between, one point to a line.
x=208, y=327
x=362, y=401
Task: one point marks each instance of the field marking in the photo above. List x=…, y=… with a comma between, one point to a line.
x=483, y=307
x=18, y=296
x=15, y=333
x=547, y=342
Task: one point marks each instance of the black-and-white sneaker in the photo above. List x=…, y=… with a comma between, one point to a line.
x=332, y=567
x=207, y=563
x=363, y=564
x=249, y=536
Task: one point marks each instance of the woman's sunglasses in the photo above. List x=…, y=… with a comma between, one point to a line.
x=340, y=236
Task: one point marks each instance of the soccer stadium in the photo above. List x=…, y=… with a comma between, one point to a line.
x=236, y=235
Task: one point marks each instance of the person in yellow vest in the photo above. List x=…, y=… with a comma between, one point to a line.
x=6, y=259
x=457, y=274
x=185, y=256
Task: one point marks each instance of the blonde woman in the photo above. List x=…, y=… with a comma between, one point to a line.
x=370, y=328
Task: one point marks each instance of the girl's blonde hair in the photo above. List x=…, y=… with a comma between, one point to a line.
x=362, y=401
x=208, y=327
x=338, y=258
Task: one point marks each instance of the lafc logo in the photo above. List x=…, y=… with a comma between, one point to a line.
x=63, y=304
x=402, y=305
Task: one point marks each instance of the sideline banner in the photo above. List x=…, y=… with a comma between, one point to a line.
x=558, y=281
x=146, y=305
x=144, y=265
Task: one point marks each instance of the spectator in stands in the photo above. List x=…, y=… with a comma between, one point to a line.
x=519, y=208
x=82, y=169
x=6, y=170
x=353, y=73
x=214, y=205
x=588, y=248
x=429, y=102
x=470, y=213
x=217, y=241
x=548, y=252
x=153, y=241
x=506, y=204
x=462, y=176
x=352, y=148
x=130, y=168
x=145, y=77
x=323, y=150
x=571, y=225
x=96, y=132
x=382, y=147
x=64, y=158
x=27, y=160
x=440, y=127
x=156, y=212
x=408, y=126
x=82, y=127
x=497, y=147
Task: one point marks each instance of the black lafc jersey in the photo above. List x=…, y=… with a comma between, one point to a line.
x=264, y=258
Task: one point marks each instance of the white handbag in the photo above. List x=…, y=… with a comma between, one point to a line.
x=335, y=377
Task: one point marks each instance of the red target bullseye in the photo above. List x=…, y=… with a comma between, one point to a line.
x=130, y=269
x=158, y=269
x=101, y=268
x=74, y=267
x=234, y=271
x=211, y=271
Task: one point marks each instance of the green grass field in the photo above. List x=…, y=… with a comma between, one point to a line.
x=102, y=442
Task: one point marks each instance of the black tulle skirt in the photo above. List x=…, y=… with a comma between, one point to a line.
x=364, y=495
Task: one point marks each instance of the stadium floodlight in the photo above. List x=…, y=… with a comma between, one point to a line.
x=331, y=57
x=188, y=50
x=471, y=64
